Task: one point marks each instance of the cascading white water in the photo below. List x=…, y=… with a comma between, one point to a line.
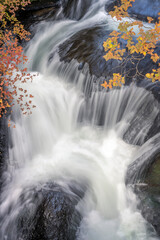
x=72, y=138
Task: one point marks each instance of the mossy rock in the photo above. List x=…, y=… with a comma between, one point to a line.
x=153, y=175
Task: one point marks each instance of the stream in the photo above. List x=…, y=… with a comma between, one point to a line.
x=79, y=136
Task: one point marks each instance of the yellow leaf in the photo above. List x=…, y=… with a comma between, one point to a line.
x=104, y=84
x=148, y=75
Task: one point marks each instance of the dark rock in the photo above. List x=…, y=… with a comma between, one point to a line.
x=153, y=175
x=41, y=4
x=87, y=46
x=143, y=176
x=154, y=129
x=38, y=11
x=138, y=170
x=75, y=9
x=111, y=4
x=150, y=209
x=154, y=88
x=141, y=9
x=54, y=216
x=3, y=145
x=146, y=120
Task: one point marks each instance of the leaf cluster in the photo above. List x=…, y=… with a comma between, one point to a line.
x=11, y=57
x=142, y=44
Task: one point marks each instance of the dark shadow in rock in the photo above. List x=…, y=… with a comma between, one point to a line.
x=4, y=136
x=38, y=11
x=111, y=4
x=54, y=215
x=75, y=9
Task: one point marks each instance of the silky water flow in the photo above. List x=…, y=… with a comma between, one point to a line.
x=72, y=138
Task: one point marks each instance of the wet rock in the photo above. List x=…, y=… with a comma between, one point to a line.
x=75, y=9
x=143, y=176
x=56, y=218
x=38, y=11
x=141, y=9
x=54, y=215
x=154, y=88
x=3, y=145
x=138, y=170
x=141, y=123
x=154, y=129
x=153, y=175
x=149, y=194
x=87, y=46
x=111, y=4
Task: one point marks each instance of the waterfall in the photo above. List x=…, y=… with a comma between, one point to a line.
x=78, y=134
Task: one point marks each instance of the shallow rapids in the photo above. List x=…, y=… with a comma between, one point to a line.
x=51, y=145
x=77, y=136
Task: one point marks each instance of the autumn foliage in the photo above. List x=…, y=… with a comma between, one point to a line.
x=142, y=44
x=12, y=58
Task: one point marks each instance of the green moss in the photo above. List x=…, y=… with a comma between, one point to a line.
x=153, y=176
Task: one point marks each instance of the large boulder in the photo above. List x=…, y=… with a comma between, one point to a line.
x=154, y=88
x=53, y=214
x=86, y=46
x=143, y=176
